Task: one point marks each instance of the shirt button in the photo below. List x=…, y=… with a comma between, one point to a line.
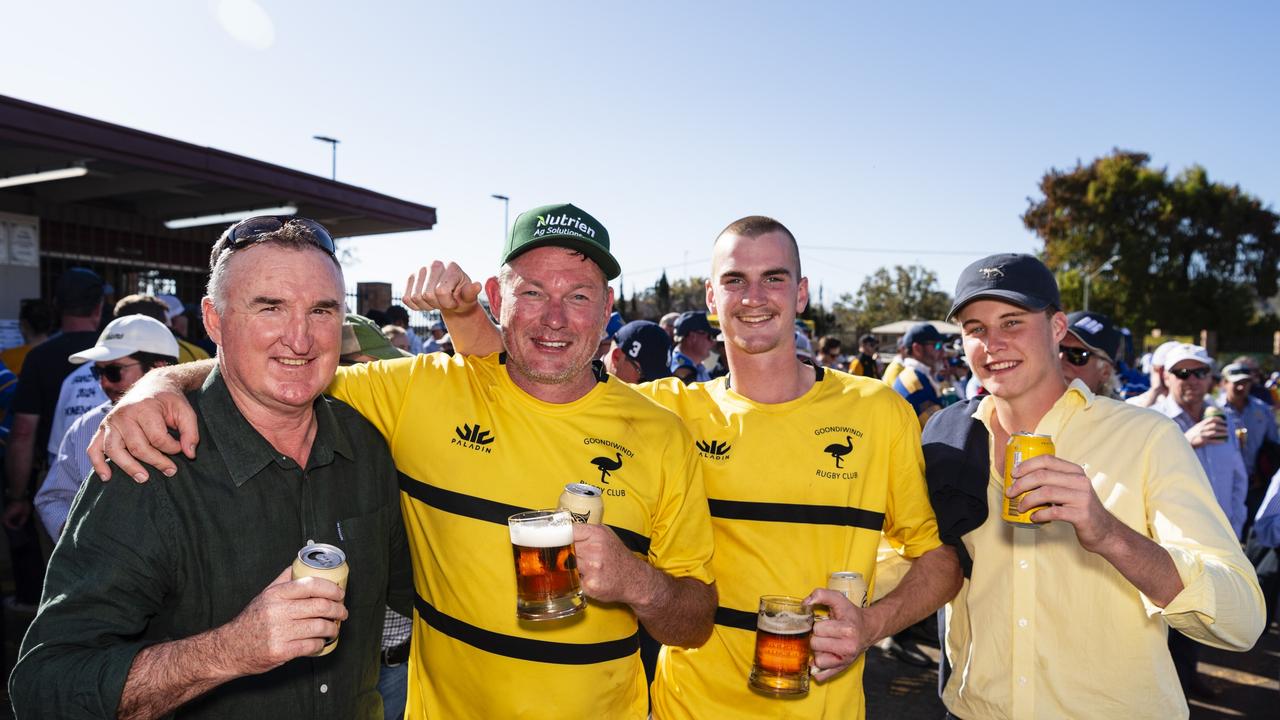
x=1023, y=564
x=1022, y=622
x=324, y=688
x=1022, y=679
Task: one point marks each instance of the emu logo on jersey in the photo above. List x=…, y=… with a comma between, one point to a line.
x=606, y=466
x=713, y=450
x=837, y=451
x=472, y=437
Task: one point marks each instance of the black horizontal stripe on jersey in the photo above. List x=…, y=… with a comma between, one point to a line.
x=493, y=511
x=545, y=651
x=791, y=513
x=739, y=619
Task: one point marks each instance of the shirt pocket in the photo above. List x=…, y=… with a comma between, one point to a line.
x=366, y=540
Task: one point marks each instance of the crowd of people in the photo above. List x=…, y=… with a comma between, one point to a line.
x=736, y=455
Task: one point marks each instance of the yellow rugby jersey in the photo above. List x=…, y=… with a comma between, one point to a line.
x=473, y=449
x=797, y=490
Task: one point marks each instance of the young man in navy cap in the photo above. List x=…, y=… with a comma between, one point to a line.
x=1069, y=618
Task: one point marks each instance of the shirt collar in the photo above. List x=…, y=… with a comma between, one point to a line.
x=1077, y=396
x=245, y=451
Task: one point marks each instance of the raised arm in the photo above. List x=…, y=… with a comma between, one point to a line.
x=137, y=428
x=452, y=292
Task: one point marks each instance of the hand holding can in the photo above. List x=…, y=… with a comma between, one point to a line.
x=323, y=561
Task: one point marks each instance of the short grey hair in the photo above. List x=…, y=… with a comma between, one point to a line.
x=294, y=237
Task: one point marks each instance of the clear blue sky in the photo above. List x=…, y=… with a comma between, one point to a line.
x=897, y=132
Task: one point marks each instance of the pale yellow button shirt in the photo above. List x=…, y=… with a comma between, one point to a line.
x=1046, y=629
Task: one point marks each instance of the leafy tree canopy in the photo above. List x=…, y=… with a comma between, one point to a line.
x=1192, y=253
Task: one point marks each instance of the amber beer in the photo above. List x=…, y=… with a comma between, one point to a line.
x=323, y=561
x=1022, y=446
x=584, y=503
x=547, y=585
x=783, y=628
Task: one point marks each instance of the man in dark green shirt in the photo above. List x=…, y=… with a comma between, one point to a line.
x=175, y=595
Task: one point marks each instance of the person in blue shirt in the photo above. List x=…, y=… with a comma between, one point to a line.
x=694, y=340
x=922, y=352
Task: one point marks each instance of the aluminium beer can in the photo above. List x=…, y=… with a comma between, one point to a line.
x=584, y=502
x=1022, y=446
x=851, y=584
x=326, y=561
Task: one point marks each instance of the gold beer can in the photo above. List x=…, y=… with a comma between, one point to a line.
x=851, y=584
x=584, y=502
x=323, y=561
x=1022, y=446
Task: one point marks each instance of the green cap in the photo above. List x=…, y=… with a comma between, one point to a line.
x=362, y=335
x=563, y=225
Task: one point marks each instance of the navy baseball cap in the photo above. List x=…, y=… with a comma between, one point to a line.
x=648, y=344
x=693, y=321
x=1097, y=331
x=922, y=333
x=1019, y=279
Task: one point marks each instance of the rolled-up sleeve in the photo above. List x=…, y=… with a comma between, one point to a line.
x=1221, y=603
x=106, y=579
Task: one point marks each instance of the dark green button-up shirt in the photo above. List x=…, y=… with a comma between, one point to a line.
x=141, y=564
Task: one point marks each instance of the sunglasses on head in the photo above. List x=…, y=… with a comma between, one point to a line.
x=252, y=230
x=1076, y=356
x=1184, y=373
x=110, y=372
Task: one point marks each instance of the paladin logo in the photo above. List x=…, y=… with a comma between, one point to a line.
x=567, y=222
x=713, y=450
x=471, y=436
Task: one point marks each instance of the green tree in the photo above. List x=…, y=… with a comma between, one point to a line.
x=889, y=295
x=664, y=297
x=1192, y=253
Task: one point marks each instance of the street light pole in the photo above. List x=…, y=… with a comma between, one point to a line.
x=506, y=214
x=1101, y=268
x=333, y=144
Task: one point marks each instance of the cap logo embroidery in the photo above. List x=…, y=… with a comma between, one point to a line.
x=1089, y=325
x=991, y=272
x=567, y=222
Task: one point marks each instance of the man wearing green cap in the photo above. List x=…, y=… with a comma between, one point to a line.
x=478, y=439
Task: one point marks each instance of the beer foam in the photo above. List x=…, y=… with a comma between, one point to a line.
x=785, y=623
x=542, y=534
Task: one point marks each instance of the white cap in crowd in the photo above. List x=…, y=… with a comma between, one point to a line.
x=127, y=335
x=1184, y=351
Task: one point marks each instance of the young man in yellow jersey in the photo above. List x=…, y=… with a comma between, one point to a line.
x=1069, y=618
x=477, y=439
x=805, y=467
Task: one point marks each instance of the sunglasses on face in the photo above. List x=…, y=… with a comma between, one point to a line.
x=1076, y=356
x=1200, y=373
x=110, y=372
x=252, y=230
